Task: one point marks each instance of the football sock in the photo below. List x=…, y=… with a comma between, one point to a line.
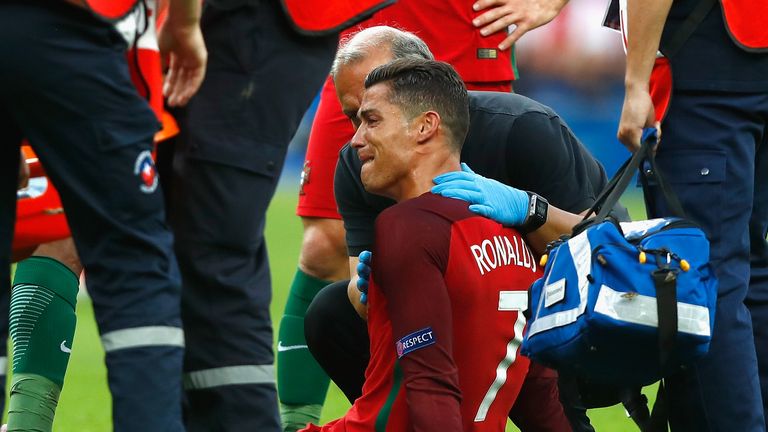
x=301, y=382
x=295, y=417
x=42, y=326
x=32, y=404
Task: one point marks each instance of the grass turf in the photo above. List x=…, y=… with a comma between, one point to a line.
x=85, y=404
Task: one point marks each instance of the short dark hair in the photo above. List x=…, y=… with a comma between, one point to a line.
x=418, y=85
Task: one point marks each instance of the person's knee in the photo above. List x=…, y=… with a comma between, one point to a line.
x=323, y=249
x=63, y=251
x=316, y=320
x=323, y=313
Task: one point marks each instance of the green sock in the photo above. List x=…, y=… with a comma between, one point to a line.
x=42, y=326
x=33, y=403
x=295, y=417
x=301, y=382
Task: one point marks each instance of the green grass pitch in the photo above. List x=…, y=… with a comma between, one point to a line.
x=85, y=404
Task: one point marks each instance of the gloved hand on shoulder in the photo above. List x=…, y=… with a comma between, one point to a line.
x=487, y=197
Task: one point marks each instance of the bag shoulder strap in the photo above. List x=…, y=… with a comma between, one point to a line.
x=669, y=195
x=686, y=29
x=660, y=414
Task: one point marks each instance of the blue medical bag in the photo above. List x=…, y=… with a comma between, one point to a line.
x=624, y=303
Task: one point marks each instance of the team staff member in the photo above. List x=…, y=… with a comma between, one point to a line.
x=512, y=139
x=713, y=138
x=93, y=134
x=263, y=72
x=53, y=270
x=429, y=299
x=469, y=35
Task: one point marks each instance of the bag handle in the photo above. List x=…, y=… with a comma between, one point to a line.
x=610, y=195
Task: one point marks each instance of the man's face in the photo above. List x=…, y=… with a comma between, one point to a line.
x=350, y=80
x=385, y=142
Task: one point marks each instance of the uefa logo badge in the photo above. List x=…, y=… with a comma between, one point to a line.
x=399, y=348
x=144, y=169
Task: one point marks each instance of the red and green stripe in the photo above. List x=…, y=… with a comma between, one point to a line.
x=386, y=409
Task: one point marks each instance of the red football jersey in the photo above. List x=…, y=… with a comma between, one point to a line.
x=445, y=321
x=446, y=27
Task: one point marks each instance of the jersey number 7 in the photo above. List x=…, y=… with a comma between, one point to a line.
x=508, y=301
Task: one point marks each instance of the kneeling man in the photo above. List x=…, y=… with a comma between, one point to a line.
x=448, y=287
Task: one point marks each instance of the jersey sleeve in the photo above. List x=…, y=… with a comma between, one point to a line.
x=557, y=166
x=357, y=207
x=409, y=262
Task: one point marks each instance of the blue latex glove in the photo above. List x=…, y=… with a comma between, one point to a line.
x=363, y=275
x=487, y=197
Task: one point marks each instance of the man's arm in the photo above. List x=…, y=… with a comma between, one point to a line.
x=409, y=260
x=504, y=204
x=645, y=23
x=558, y=222
x=182, y=41
x=544, y=156
x=523, y=14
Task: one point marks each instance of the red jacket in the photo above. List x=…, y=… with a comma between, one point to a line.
x=746, y=23
x=321, y=17
x=111, y=10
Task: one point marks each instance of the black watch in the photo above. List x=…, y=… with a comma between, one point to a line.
x=537, y=213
